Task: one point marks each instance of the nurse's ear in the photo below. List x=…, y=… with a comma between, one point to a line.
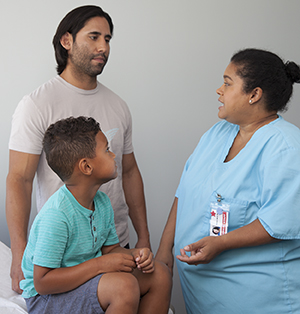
x=256, y=96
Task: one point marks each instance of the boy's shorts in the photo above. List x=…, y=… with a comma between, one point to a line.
x=83, y=299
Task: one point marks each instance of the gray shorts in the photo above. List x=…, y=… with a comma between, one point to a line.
x=83, y=299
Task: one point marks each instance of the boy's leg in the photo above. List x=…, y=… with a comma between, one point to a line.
x=83, y=299
x=119, y=293
x=155, y=289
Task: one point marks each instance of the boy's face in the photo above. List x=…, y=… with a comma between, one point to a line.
x=104, y=164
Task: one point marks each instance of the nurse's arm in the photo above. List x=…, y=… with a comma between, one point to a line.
x=206, y=249
x=164, y=252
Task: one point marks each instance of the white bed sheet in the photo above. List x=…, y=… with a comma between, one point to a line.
x=10, y=301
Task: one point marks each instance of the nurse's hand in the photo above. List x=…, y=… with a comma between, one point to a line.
x=202, y=251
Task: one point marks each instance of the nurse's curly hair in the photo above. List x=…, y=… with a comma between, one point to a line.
x=264, y=69
x=67, y=141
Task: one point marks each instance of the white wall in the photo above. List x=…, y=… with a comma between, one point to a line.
x=167, y=60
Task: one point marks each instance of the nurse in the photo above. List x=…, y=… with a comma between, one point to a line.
x=235, y=220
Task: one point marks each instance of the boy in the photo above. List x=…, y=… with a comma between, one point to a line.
x=73, y=262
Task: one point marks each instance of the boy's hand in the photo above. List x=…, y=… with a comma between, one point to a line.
x=144, y=260
x=116, y=262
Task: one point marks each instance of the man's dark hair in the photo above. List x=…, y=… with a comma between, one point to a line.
x=67, y=141
x=72, y=23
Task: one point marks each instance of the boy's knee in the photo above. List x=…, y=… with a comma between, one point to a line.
x=126, y=287
x=162, y=274
x=128, y=290
x=118, y=289
x=162, y=278
x=128, y=284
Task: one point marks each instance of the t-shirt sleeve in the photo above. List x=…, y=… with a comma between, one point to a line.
x=280, y=198
x=26, y=130
x=51, y=239
x=128, y=146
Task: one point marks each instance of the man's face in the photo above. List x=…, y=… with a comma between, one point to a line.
x=90, y=50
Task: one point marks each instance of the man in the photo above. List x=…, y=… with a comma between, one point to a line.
x=82, y=48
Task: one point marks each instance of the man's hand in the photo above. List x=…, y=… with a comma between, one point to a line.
x=16, y=275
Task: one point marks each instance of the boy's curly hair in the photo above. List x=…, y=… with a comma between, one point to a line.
x=67, y=141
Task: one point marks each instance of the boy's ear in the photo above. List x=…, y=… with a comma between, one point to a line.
x=66, y=41
x=85, y=167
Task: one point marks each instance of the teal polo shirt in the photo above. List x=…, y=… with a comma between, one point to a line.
x=66, y=234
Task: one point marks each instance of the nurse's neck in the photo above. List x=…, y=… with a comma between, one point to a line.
x=247, y=130
x=245, y=133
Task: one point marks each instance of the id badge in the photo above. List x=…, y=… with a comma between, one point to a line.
x=219, y=212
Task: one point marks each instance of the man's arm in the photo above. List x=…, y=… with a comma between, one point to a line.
x=135, y=199
x=22, y=168
x=164, y=252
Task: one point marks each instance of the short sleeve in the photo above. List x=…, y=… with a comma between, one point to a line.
x=128, y=147
x=280, y=198
x=26, y=130
x=51, y=239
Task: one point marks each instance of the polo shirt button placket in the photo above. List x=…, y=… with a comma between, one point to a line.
x=94, y=229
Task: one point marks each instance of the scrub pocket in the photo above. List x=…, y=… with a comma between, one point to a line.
x=237, y=216
x=237, y=209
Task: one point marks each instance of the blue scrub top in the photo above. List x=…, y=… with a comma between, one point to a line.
x=262, y=181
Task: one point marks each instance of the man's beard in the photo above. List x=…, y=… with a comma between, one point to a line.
x=81, y=60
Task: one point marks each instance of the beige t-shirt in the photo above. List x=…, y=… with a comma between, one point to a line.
x=57, y=99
